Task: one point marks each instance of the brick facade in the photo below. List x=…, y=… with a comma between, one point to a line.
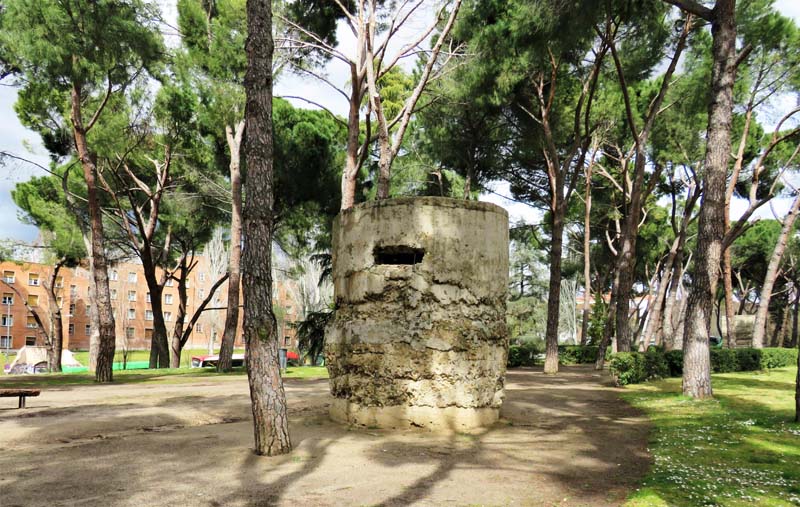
x=130, y=300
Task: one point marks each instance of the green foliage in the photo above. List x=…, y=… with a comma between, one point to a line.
x=659, y=364
x=597, y=321
x=526, y=317
x=57, y=46
x=525, y=353
x=311, y=333
x=628, y=368
x=576, y=354
x=42, y=199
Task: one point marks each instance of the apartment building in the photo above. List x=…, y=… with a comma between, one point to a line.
x=24, y=289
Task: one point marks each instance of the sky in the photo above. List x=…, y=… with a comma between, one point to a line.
x=15, y=138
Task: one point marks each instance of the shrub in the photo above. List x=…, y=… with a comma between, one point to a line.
x=628, y=368
x=634, y=367
x=524, y=353
x=674, y=360
x=724, y=360
x=577, y=354
x=778, y=358
x=748, y=359
x=656, y=365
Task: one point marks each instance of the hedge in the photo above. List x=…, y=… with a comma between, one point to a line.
x=525, y=354
x=636, y=367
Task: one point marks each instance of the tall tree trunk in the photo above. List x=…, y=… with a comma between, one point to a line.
x=56, y=324
x=797, y=387
x=727, y=280
x=760, y=326
x=177, y=334
x=696, y=360
x=795, y=319
x=158, y=342
x=270, y=421
x=105, y=356
x=657, y=304
x=608, y=332
x=587, y=257
x=554, y=291
x=234, y=138
x=351, y=165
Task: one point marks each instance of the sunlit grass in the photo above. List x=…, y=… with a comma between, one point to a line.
x=162, y=376
x=740, y=448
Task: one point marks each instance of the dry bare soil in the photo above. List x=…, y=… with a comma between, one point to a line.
x=564, y=440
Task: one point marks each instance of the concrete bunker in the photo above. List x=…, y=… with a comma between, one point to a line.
x=419, y=337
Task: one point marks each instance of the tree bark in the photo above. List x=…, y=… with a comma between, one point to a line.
x=105, y=356
x=554, y=290
x=56, y=335
x=760, y=326
x=270, y=421
x=234, y=138
x=180, y=320
x=587, y=262
x=158, y=343
x=696, y=360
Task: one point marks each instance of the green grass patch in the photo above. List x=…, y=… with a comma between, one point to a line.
x=739, y=449
x=161, y=376
x=82, y=356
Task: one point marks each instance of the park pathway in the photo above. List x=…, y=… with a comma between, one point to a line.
x=563, y=440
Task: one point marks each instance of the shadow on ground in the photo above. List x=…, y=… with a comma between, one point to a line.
x=564, y=440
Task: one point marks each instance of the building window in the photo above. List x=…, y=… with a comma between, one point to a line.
x=168, y=316
x=33, y=300
x=33, y=279
x=168, y=299
x=201, y=293
x=202, y=276
x=71, y=310
x=132, y=277
x=148, y=315
x=114, y=276
x=72, y=329
x=73, y=291
x=88, y=310
x=129, y=333
x=6, y=321
x=8, y=299
x=59, y=282
x=113, y=293
x=131, y=295
x=5, y=342
x=8, y=276
x=30, y=341
x=169, y=282
x=30, y=323
x=148, y=297
x=87, y=330
x=131, y=313
x=199, y=327
x=286, y=341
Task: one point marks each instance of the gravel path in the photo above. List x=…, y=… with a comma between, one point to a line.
x=563, y=440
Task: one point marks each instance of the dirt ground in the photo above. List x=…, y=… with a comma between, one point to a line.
x=564, y=440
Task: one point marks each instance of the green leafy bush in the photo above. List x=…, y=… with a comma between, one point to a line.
x=724, y=360
x=524, y=353
x=778, y=358
x=748, y=359
x=577, y=354
x=656, y=365
x=628, y=368
x=634, y=367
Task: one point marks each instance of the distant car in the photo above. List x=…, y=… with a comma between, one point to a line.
x=212, y=360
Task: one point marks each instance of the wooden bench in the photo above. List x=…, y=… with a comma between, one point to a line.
x=21, y=393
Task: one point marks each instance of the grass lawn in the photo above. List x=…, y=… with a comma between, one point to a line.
x=741, y=448
x=163, y=376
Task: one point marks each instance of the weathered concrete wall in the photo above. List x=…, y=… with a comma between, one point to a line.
x=419, y=337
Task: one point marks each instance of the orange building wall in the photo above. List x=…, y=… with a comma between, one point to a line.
x=133, y=331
